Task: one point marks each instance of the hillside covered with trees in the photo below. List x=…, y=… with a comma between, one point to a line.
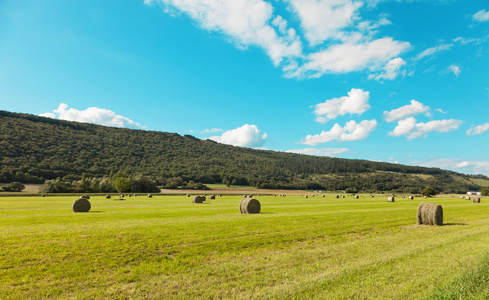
x=34, y=149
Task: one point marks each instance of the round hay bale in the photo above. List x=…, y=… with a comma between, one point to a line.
x=130, y=195
x=337, y=196
x=391, y=199
x=371, y=196
x=81, y=205
x=198, y=199
x=108, y=196
x=305, y=196
x=342, y=196
x=410, y=197
x=188, y=195
x=85, y=197
x=42, y=195
x=249, y=206
x=467, y=198
x=150, y=196
x=212, y=197
x=429, y=214
x=476, y=200
x=322, y=196
x=356, y=196
x=425, y=197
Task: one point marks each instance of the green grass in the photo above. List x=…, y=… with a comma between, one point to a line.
x=223, y=186
x=165, y=247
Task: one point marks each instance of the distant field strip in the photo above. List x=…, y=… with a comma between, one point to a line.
x=166, y=247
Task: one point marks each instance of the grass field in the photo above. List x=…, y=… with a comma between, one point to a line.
x=165, y=247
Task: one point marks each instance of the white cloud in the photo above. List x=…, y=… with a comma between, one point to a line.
x=441, y=111
x=481, y=16
x=322, y=20
x=339, y=40
x=246, y=22
x=212, y=130
x=478, y=129
x=320, y=152
x=93, y=115
x=454, y=69
x=355, y=103
x=464, y=41
x=391, y=70
x=348, y=57
x=244, y=136
x=433, y=50
x=409, y=128
x=352, y=131
x=406, y=111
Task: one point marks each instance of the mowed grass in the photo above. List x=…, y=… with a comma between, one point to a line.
x=165, y=247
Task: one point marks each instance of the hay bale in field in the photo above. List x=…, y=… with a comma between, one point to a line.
x=188, y=195
x=134, y=195
x=371, y=196
x=85, y=197
x=429, y=214
x=249, y=205
x=108, y=196
x=391, y=199
x=150, y=196
x=323, y=196
x=212, y=197
x=305, y=196
x=198, y=199
x=476, y=200
x=467, y=198
x=81, y=205
x=42, y=195
x=337, y=196
x=461, y=197
x=342, y=196
x=410, y=197
x=425, y=197
x=356, y=196
x=129, y=195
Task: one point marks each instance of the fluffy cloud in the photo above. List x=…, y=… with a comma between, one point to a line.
x=320, y=152
x=481, y=16
x=94, y=115
x=409, y=128
x=212, y=130
x=324, y=19
x=433, y=50
x=478, y=129
x=352, y=131
x=351, y=56
x=454, y=69
x=244, y=136
x=391, y=70
x=246, y=22
x=406, y=111
x=355, y=103
x=346, y=42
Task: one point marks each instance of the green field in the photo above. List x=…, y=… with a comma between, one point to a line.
x=165, y=247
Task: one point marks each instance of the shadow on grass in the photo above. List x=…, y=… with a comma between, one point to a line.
x=452, y=224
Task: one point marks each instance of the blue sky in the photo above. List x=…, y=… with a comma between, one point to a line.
x=385, y=80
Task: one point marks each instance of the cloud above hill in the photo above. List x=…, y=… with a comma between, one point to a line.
x=338, y=39
x=352, y=131
x=355, y=103
x=244, y=136
x=95, y=115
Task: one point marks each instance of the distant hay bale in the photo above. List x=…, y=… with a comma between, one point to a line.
x=410, y=197
x=188, y=195
x=212, y=197
x=134, y=195
x=108, y=196
x=429, y=214
x=150, y=196
x=198, y=199
x=467, y=198
x=461, y=197
x=342, y=196
x=476, y=200
x=391, y=199
x=313, y=195
x=81, y=205
x=85, y=197
x=322, y=196
x=249, y=205
x=337, y=196
x=425, y=197
x=129, y=195
x=356, y=196
x=305, y=196
x=371, y=196
x=42, y=195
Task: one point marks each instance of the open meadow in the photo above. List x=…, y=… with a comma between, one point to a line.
x=166, y=247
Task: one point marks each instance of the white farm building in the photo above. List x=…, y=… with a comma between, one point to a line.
x=474, y=193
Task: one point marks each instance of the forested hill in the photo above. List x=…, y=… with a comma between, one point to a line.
x=34, y=149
